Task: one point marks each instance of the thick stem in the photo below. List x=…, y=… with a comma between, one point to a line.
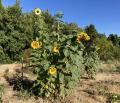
x=58, y=31
x=22, y=72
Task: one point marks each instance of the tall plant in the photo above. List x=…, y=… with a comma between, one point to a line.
x=56, y=59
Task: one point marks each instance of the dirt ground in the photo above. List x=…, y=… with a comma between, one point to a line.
x=107, y=82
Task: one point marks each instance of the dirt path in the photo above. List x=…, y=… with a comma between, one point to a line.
x=10, y=67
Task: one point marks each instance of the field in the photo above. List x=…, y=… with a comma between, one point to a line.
x=104, y=89
x=44, y=59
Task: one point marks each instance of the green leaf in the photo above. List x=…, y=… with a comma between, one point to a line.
x=66, y=52
x=74, y=48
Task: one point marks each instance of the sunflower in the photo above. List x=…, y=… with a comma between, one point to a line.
x=56, y=50
x=83, y=33
x=83, y=36
x=46, y=86
x=87, y=38
x=37, y=11
x=78, y=40
x=36, y=44
x=52, y=70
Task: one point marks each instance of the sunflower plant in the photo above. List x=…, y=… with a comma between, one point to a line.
x=57, y=62
x=91, y=61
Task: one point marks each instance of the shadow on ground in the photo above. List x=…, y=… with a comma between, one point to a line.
x=19, y=83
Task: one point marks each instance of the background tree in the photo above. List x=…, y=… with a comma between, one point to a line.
x=70, y=28
x=1, y=6
x=18, y=29
x=114, y=38
x=91, y=30
x=105, y=48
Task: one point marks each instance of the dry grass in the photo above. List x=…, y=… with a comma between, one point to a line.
x=87, y=91
x=98, y=90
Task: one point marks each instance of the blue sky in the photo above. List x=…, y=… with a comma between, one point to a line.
x=104, y=14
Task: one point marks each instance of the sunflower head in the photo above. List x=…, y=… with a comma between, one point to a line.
x=78, y=40
x=87, y=38
x=52, y=70
x=36, y=44
x=46, y=86
x=83, y=33
x=84, y=36
x=56, y=50
x=37, y=11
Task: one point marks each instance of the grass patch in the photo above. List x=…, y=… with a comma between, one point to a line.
x=1, y=92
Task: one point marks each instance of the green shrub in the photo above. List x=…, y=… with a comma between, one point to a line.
x=3, y=58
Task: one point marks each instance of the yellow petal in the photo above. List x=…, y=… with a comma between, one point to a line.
x=52, y=71
x=56, y=50
x=37, y=11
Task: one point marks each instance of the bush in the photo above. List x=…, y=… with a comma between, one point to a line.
x=106, y=48
x=3, y=58
x=16, y=32
x=116, y=53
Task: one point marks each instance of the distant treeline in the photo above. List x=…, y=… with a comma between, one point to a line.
x=18, y=29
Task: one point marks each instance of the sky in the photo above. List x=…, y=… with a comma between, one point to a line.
x=104, y=14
